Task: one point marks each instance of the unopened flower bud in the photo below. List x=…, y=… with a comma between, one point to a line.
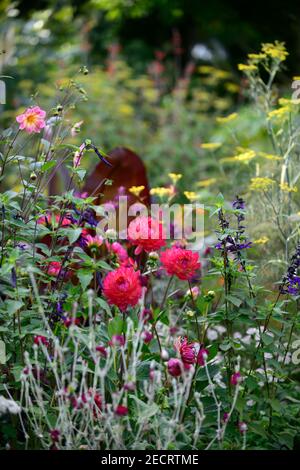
x=164, y=355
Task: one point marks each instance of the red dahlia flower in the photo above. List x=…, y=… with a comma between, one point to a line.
x=122, y=287
x=180, y=262
x=147, y=234
x=175, y=367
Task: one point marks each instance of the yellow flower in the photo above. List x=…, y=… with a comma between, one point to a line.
x=288, y=189
x=126, y=110
x=287, y=101
x=161, y=192
x=247, y=67
x=269, y=156
x=279, y=113
x=257, y=56
x=244, y=157
x=276, y=50
x=211, y=145
x=232, y=87
x=191, y=195
x=175, y=177
x=297, y=77
x=222, y=74
x=136, y=190
x=206, y=183
x=261, y=241
x=261, y=184
x=225, y=119
x=206, y=69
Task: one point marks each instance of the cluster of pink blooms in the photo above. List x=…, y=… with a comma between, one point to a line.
x=190, y=353
x=32, y=120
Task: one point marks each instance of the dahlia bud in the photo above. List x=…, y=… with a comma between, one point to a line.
x=153, y=255
x=210, y=295
x=33, y=176
x=130, y=386
x=121, y=410
x=174, y=367
x=164, y=355
x=242, y=427
x=117, y=340
x=193, y=292
x=236, y=378
x=147, y=336
x=202, y=356
x=111, y=233
x=190, y=313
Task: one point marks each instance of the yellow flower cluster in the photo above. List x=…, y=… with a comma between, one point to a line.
x=136, y=190
x=191, y=195
x=247, y=67
x=288, y=189
x=244, y=157
x=211, y=145
x=206, y=183
x=269, y=156
x=261, y=241
x=223, y=120
x=275, y=50
x=175, y=177
x=261, y=184
x=162, y=192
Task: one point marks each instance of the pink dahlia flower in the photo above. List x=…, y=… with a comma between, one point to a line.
x=147, y=234
x=122, y=287
x=180, y=262
x=32, y=120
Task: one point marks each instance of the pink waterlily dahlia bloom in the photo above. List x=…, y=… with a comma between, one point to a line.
x=147, y=234
x=180, y=262
x=32, y=120
x=122, y=287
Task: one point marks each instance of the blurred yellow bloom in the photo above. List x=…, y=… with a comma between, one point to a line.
x=191, y=195
x=244, y=157
x=222, y=74
x=225, y=119
x=162, y=192
x=279, y=113
x=206, y=183
x=206, y=69
x=261, y=241
x=276, y=50
x=287, y=101
x=175, y=177
x=269, y=156
x=247, y=67
x=136, y=190
x=297, y=77
x=261, y=184
x=126, y=110
x=232, y=87
x=211, y=145
x=288, y=189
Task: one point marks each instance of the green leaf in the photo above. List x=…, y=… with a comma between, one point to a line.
x=145, y=411
x=13, y=306
x=115, y=326
x=234, y=300
x=48, y=165
x=85, y=278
